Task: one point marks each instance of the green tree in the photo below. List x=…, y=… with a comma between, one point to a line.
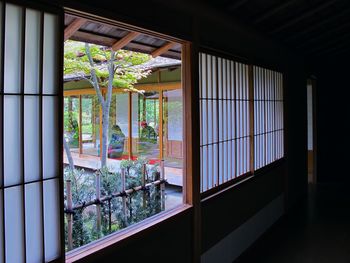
x=105, y=69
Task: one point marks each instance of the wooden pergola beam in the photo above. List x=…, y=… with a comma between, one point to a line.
x=73, y=27
x=303, y=16
x=273, y=11
x=162, y=49
x=124, y=41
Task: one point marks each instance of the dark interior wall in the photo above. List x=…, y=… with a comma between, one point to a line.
x=212, y=29
x=168, y=241
x=223, y=213
x=332, y=121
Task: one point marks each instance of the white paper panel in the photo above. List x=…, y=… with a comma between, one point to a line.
x=203, y=74
x=51, y=219
x=1, y=226
x=215, y=122
x=214, y=80
x=134, y=115
x=32, y=54
x=1, y=135
x=209, y=77
x=12, y=139
x=209, y=115
x=1, y=37
x=208, y=167
x=220, y=162
x=50, y=136
x=33, y=222
x=13, y=40
x=31, y=138
x=51, y=47
x=14, y=224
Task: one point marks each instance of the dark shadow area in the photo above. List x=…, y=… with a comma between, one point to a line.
x=317, y=229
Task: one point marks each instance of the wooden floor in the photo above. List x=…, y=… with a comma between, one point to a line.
x=172, y=175
x=317, y=230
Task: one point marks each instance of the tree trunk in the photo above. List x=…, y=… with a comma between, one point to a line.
x=68, y=153
x=105, y=126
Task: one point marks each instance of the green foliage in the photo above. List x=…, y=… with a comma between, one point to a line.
x=140, y=205
x=128, y=69
x=81, y=184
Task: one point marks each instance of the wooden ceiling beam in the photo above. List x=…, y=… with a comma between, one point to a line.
x=335, y=48
x=336, y=52
x=303, y=16
x=109, y=41
x=162, y=49
x=327, y=34
x=237, y=4
x=317, y=25
x=73, y=27
x=125, y=40
x=330, y=44
x=273, y=11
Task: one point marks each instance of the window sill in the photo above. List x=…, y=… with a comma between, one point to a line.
x=88, y=250
x=240, y=180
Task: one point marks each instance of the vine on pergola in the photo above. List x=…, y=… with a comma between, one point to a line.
x=104, y=69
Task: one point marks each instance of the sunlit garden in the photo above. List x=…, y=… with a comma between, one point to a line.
x=122, y=139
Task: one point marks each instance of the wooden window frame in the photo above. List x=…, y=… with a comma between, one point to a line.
x=252, y=171
x=190, y=156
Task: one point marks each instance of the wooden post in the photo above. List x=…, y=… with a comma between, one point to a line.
x=124, y=197
x=130, y=125
x=109, y=216
x=98, y=206
x=100, y=130
x=162, y=185
x=143, y=185
x=93, y=120
x=80, y=126
x=69, y=214
x=144, y=109
x=160, y=132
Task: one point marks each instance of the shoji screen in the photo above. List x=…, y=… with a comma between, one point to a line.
x=224, y=115
x=29, y=135
x=268, y=116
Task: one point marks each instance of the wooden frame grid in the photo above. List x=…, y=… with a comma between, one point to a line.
x=268, y=122
x=225, y=127
x=33, y=95
x=241, y=120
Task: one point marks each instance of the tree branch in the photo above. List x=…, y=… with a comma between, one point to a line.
x=93, y=75
x=111, y=71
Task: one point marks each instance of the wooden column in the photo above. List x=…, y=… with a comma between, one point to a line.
x=144, y=195
x=162, y=185
x=124, y=197
x=98, y=206
x=80, y=126
x=160, y=132
x=69, y=215
x=93, y=121
x=130, y=124
x=100, y=130
x=191, y=171
x=144, y=109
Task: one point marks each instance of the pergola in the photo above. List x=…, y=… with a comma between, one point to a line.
x=166, y=54
x=100, y=33
x=160, y=87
